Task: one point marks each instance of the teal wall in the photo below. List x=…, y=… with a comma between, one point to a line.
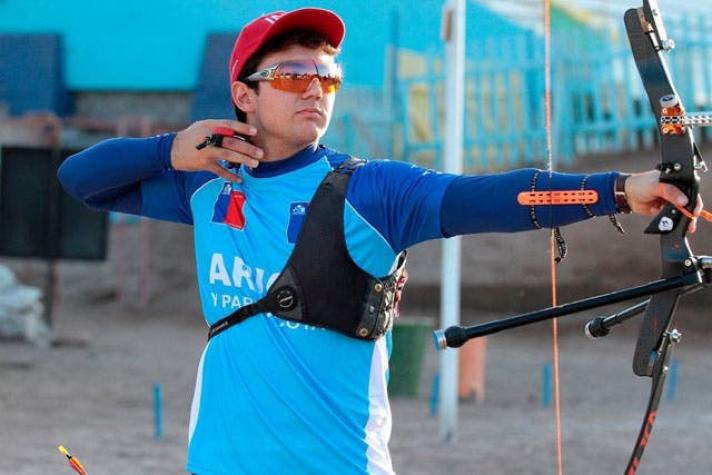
x=157, y=44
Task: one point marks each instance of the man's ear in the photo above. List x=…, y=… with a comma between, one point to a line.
x=243, y=96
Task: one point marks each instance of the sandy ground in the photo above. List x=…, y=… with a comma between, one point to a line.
x=93, y=392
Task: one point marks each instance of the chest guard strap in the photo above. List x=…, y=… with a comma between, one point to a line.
x=320, y=284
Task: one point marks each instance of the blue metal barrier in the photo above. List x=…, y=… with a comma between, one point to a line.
x=599, y=105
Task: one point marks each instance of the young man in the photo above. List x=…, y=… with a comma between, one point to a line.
x=305, y=392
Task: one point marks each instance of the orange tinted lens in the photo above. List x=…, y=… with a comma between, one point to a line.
x=291, y=83
x=296, y=76
x=301, y=82
x=330, y=84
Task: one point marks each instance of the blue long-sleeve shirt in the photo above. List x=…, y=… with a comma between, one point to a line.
x=280, y=397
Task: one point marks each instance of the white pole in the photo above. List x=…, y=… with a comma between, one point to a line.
x=454, y=35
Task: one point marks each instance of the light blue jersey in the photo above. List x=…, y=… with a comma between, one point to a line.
x=289, y=395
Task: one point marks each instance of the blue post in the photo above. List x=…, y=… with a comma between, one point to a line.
x=546, y=385
x=435, y=394
x=672, y=380
x=157, y=412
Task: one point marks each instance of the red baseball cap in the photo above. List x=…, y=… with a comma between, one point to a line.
x=259, y=31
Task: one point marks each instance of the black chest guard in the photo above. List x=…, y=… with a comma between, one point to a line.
x=320, y=284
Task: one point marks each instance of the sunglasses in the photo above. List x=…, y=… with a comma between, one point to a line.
x=297, y=75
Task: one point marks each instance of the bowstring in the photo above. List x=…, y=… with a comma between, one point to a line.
x=553, y=236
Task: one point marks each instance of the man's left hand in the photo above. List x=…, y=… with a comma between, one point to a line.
x=647, y=196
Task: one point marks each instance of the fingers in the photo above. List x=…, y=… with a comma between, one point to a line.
x=240, y=127
x=699, y=206
x=243, y=147
x=246, y=152
x=692, y=227
x=654, y=210
x=234, y=150
x=186, y=157
x=234, y=157
x=698, y=209
x=648, y=196
x=672, y=194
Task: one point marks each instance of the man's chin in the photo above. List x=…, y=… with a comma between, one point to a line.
x=311, y=134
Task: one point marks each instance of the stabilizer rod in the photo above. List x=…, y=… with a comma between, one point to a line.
x=456, y=336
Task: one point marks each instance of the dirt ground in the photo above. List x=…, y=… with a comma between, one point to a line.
x=94, y=393
x=93, y=390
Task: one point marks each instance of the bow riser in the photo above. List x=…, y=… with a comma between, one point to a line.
x=648, y=42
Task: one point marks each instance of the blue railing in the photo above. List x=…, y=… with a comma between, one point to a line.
x=598, y=102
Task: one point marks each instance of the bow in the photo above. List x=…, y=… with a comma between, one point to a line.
x=682, y=271
x=679, y=166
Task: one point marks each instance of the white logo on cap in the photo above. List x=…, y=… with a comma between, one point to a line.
x=272, y=18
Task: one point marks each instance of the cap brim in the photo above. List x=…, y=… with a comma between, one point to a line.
x=317, y=19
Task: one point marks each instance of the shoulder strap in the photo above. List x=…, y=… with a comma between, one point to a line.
x=350, y=165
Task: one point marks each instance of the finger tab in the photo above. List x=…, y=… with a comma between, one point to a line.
x=226, y=131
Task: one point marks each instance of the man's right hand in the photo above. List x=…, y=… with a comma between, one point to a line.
x=185, y=157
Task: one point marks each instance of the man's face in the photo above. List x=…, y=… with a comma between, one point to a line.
x=291, y=117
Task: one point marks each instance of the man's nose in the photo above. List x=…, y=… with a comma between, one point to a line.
x=314, y=88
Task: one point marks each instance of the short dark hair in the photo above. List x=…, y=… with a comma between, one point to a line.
x=307, y=38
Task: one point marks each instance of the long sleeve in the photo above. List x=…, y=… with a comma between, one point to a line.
x=488, y=203
x=407, y=204
x=130, y=175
